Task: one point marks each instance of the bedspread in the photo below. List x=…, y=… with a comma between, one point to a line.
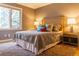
x=37, y=40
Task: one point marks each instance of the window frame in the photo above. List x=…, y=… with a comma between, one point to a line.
x=15, y=8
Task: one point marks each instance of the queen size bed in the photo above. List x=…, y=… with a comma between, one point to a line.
x=37, y=42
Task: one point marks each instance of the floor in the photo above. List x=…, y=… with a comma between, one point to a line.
x=61, y=50
x=11, y=49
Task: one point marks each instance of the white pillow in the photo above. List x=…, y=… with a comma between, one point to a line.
x=57, y=27
x=50, y=26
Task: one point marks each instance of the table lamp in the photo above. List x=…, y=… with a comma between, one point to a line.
x=71, y=22
x=36, y=24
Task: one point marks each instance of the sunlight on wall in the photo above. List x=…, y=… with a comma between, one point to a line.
x=75, y=29
x=38, y=21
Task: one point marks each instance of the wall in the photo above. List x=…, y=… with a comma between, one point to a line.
x=53, y=14
x=54, y=11
x=59, y=12
x=28, y=16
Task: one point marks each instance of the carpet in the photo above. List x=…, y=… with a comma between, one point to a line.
x=11, y=49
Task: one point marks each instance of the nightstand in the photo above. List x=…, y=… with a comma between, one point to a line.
x=70, y=38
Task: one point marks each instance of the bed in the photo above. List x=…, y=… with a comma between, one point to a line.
x=37, y=42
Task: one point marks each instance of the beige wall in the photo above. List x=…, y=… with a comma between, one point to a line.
x=28, y=16
x=55, y=13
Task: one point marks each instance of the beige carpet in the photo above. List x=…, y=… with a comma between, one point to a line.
x=11, y=49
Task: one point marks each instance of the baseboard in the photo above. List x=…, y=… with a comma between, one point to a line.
x=5, y=40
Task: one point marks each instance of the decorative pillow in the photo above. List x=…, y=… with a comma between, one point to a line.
x=42, y=28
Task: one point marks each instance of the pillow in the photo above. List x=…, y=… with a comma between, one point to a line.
x=49, y=28
x=57, y=28
x=41, y=28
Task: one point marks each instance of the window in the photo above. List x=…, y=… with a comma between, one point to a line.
x=10, y=18
x=4, y=17
x=15, y=19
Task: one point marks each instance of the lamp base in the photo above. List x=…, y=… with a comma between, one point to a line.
x=71, y=29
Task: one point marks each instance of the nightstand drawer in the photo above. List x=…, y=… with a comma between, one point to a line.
x=65, y=39
x=74, y=40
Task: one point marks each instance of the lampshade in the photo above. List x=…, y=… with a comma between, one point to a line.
x=36, y=23
x=71, y=21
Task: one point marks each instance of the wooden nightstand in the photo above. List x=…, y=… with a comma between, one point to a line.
x=70, y=38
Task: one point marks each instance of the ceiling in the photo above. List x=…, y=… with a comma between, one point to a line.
x=34, y=5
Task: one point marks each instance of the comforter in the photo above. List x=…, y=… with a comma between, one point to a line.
x=35, y=41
